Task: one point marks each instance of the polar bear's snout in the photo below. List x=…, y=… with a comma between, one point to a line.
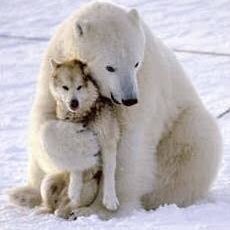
x=129, y=91
x=128, y=95
x=127, y=99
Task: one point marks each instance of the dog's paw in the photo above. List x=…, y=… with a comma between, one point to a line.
x=63, y=212
x=99, y=211
x=80, y=212
x=110, y=202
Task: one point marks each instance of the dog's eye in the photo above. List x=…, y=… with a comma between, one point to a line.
x=65, y=87
x=136, y=65
x=110, y=68
x=79, y=87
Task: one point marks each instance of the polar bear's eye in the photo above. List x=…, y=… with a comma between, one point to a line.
x=110, y=68
x=79, y=87
x=65, y=87
x=137, y=64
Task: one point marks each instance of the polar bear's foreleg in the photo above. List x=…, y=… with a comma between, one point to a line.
x=68, y=146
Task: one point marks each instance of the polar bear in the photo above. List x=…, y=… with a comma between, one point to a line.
x=170, y=147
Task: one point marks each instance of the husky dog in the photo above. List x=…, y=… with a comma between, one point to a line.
x=78, y=100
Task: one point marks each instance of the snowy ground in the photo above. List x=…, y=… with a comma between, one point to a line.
x=192, y=25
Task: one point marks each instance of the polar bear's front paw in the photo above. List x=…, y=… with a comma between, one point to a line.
x=90, y=150
x=69, y=146
x=110, y=202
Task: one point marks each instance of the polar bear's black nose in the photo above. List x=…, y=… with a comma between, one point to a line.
x=74, y=104
x=129, y=102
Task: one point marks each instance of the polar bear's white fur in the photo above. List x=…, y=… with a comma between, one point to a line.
x=170, y=147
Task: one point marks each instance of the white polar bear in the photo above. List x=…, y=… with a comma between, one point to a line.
x=170, y=148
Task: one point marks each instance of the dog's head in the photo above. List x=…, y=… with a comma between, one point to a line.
x=71, y=86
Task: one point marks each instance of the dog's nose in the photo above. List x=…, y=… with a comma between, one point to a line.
x=74, y=104
x=129, y=102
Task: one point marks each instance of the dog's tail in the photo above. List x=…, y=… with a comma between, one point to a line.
x=25, y=196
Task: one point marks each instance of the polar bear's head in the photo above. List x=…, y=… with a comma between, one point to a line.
x=110, y=39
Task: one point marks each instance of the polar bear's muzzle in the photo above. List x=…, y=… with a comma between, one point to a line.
x=114, y=99
x=127, y=102
x=129, y=91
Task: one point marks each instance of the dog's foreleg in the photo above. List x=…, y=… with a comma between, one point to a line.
x=75, y=188
x=110, y=200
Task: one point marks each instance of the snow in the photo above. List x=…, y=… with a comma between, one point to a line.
x=200, y=26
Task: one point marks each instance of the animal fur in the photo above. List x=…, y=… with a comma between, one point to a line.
x=95, y=113
x=170, y=146
x=54, y=192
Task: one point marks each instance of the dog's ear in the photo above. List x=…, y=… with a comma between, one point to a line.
x=54, y=64
x=82, y=65
x=77, y=62
x=85, y=70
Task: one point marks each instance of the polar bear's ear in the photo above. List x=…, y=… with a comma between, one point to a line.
x=54, y=64
x=133, y=14
x=82, y=28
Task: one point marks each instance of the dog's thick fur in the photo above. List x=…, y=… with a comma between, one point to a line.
x=54, y=192
x=93, y=112
x=170, y=146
